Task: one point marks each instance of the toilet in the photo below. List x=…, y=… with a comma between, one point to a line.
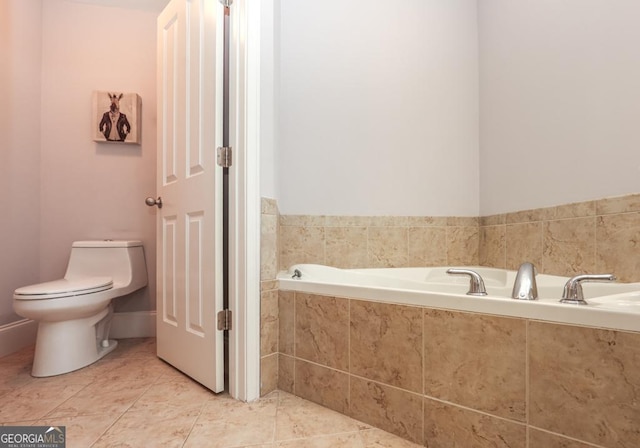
x=74, y=313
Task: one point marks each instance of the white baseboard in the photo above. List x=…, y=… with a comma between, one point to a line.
x=134, y=324
x=17, y=335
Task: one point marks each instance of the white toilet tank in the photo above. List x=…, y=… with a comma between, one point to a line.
x=123, y=261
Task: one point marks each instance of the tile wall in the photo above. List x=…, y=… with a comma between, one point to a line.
x=588, y=237
x=447, y=378
x=378, y=241
x=268, y=296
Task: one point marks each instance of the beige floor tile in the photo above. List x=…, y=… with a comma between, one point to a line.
x=298, y=418
x=176, y=392
x=225, y=422
x=377, y=438
x=133, y=399
x=154, y=427
x=83, y=430
x=350, y=440
x=35, y=400
x=99, y=398
x=14, y=376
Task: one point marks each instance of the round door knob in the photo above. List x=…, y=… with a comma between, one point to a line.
x=151, y=202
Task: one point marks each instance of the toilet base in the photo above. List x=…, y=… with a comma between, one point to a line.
x=62, y=347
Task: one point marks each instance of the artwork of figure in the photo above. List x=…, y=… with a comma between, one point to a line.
x=117, y=117
x=114, y=125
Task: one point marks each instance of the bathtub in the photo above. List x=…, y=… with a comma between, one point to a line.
x=612, y=305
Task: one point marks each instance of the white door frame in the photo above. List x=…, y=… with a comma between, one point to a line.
x=244, y=201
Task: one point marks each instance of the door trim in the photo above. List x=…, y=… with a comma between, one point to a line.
x=244, y=201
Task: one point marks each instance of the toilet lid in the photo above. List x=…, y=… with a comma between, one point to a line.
x=63, y=288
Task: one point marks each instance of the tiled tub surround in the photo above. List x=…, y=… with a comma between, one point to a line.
x=268, y=296
x=449, y=378
x=378, y=241
x=587, y=237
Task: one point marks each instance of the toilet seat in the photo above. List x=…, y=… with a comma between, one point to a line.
x=63, y=288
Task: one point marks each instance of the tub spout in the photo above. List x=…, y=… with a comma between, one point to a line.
x=476, y=285
x=525, y=288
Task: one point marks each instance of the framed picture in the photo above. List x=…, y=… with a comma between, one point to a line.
x=116, y=117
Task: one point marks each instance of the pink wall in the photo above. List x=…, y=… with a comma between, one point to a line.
x=56, y=184
x=95, y=190
x=20, y=47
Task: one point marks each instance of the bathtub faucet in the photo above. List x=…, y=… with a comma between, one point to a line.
x=525, y=288
x=573, y=288
x=476, y=285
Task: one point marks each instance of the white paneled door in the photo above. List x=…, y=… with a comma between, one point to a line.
x=189, y=237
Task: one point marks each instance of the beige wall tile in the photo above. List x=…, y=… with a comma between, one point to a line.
x=348, y=221
x=268, y=285
x=463, y=221
x=322, y=385
x=388, y=247
x=268, y=374
x=493, y=220
x=394, y=410
x=528, y=216
x=617, y=247
x=492, y=250
x=301, y=245
x=427, y=246
x=322, y=330
x=541, y=439
x=427, y=221
x=268, y=322
x=346, y=247
x=575, y=210
x=447, y=426
x=302, y=220
x=523, y=243
x=386, y=343
x=569, y=246
x=268, y=247
x=462, y=246
x=286, y=310
x=476, y=360
x=286, y=373
x=585, y=383
x=622, y=204
x=268, y=206
x=389, y=221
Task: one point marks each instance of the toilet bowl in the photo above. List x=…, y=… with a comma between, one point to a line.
x=74, y=313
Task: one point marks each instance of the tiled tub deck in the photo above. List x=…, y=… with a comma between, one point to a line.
x=458, y=379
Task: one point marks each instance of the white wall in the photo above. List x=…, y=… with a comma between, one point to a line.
x=268, y=117
x=378, y=108
x=95, y=190
x=560, y=102
x=20, y=47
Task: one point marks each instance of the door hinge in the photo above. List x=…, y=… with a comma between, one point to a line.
x=224, y=320
x=224, y=156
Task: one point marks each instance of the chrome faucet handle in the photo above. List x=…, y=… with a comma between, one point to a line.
x=476, y=285
x=573, y=288
x=525, y=287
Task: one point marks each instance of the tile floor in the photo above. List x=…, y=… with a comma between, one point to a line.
x=133, y=399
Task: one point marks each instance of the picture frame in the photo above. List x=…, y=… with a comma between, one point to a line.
x=116, y=117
